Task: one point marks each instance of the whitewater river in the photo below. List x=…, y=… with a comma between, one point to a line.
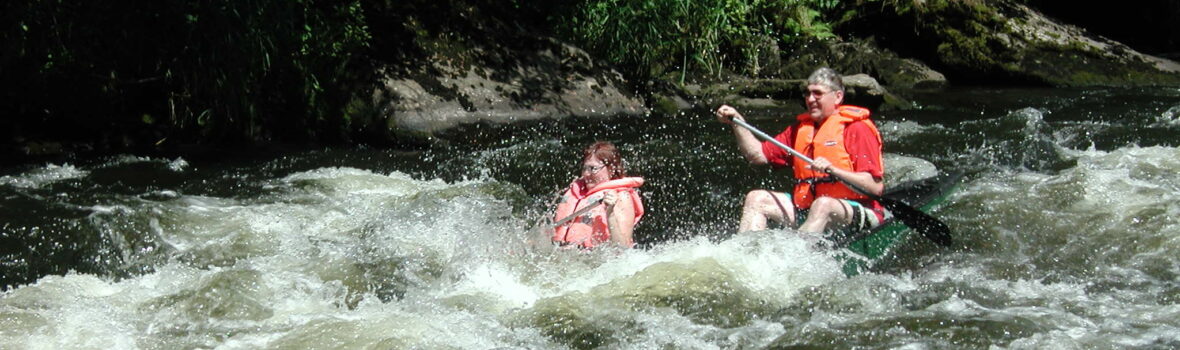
x=1067, y=229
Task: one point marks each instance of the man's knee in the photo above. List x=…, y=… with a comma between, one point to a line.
x=827, y=206
x=775, y=206
x=767, y=199
x=758, y=197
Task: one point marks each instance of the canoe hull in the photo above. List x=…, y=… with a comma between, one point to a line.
x=923, y=194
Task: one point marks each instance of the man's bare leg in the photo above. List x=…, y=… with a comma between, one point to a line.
x=825, y=211
x=763, y=205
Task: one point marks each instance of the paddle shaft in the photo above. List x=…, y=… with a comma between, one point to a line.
x=593, y=203
x=795, y=153
x=930, y=227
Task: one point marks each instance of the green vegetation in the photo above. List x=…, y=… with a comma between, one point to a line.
x=652, y=38
x=164, y=74
x=126, y=74
x=176, y=72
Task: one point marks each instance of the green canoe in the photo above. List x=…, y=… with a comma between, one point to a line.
x=923, y=194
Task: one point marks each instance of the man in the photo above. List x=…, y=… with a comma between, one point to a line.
x=841, y=140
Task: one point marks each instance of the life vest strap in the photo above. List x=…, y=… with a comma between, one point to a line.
x=818, y=180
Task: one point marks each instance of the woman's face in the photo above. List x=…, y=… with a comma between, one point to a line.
x=594, y=172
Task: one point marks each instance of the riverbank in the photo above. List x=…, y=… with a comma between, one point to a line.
x=399, y=75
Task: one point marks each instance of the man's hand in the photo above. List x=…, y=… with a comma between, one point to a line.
x=821, y=164
x=726, y=114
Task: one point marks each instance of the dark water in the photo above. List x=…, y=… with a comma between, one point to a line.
x=1065, y=225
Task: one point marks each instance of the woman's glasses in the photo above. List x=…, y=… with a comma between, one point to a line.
x=590, y=169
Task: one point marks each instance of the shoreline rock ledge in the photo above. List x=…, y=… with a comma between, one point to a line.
x=552, y=81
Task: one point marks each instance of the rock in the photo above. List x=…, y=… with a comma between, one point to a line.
x=1066, y=55
x=1005, y=41
x=758, y=103
x=920, y=76
x=901, y=169
x=748, y=94
x=864, y=57
x=863, y=90
x=1154, y=30
x=553, y=81
x=669, y=104
x=786, y=94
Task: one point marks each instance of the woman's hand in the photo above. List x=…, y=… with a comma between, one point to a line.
x=609, y=198
x=619, y=220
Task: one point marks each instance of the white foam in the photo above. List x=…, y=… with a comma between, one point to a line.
x=1169, y=118
x=345, y=257
x=49, y=174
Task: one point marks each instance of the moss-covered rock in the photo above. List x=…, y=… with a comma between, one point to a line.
x=1005, y=41
x=857, y=56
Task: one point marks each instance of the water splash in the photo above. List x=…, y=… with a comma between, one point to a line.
x=40, y=177
x=1169, y=118
x=340, y=257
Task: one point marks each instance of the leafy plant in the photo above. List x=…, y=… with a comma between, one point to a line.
x=653, y=37
x=184, y=70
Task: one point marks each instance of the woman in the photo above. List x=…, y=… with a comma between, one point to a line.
x=601, y=205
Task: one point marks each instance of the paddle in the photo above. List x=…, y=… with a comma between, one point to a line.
x=928, y=226
x=589, y=205
x=542, y=235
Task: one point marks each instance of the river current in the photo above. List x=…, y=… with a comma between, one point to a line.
x=1066, y=228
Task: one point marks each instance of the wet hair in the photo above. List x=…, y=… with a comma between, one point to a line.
x=828, y=78
x=609, y=155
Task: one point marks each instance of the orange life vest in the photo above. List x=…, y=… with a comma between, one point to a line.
x=590, y=228
x=827, y=142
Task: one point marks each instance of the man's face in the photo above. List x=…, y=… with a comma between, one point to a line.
x=822, y=101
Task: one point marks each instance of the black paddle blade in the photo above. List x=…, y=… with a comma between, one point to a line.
x=927, y=225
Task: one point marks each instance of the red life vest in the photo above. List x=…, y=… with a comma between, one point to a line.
x=827, y=142
x=590, y=228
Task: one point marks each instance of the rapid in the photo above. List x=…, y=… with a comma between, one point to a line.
x=1066, y=228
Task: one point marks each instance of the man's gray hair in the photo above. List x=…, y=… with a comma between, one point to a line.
x=827, y=77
